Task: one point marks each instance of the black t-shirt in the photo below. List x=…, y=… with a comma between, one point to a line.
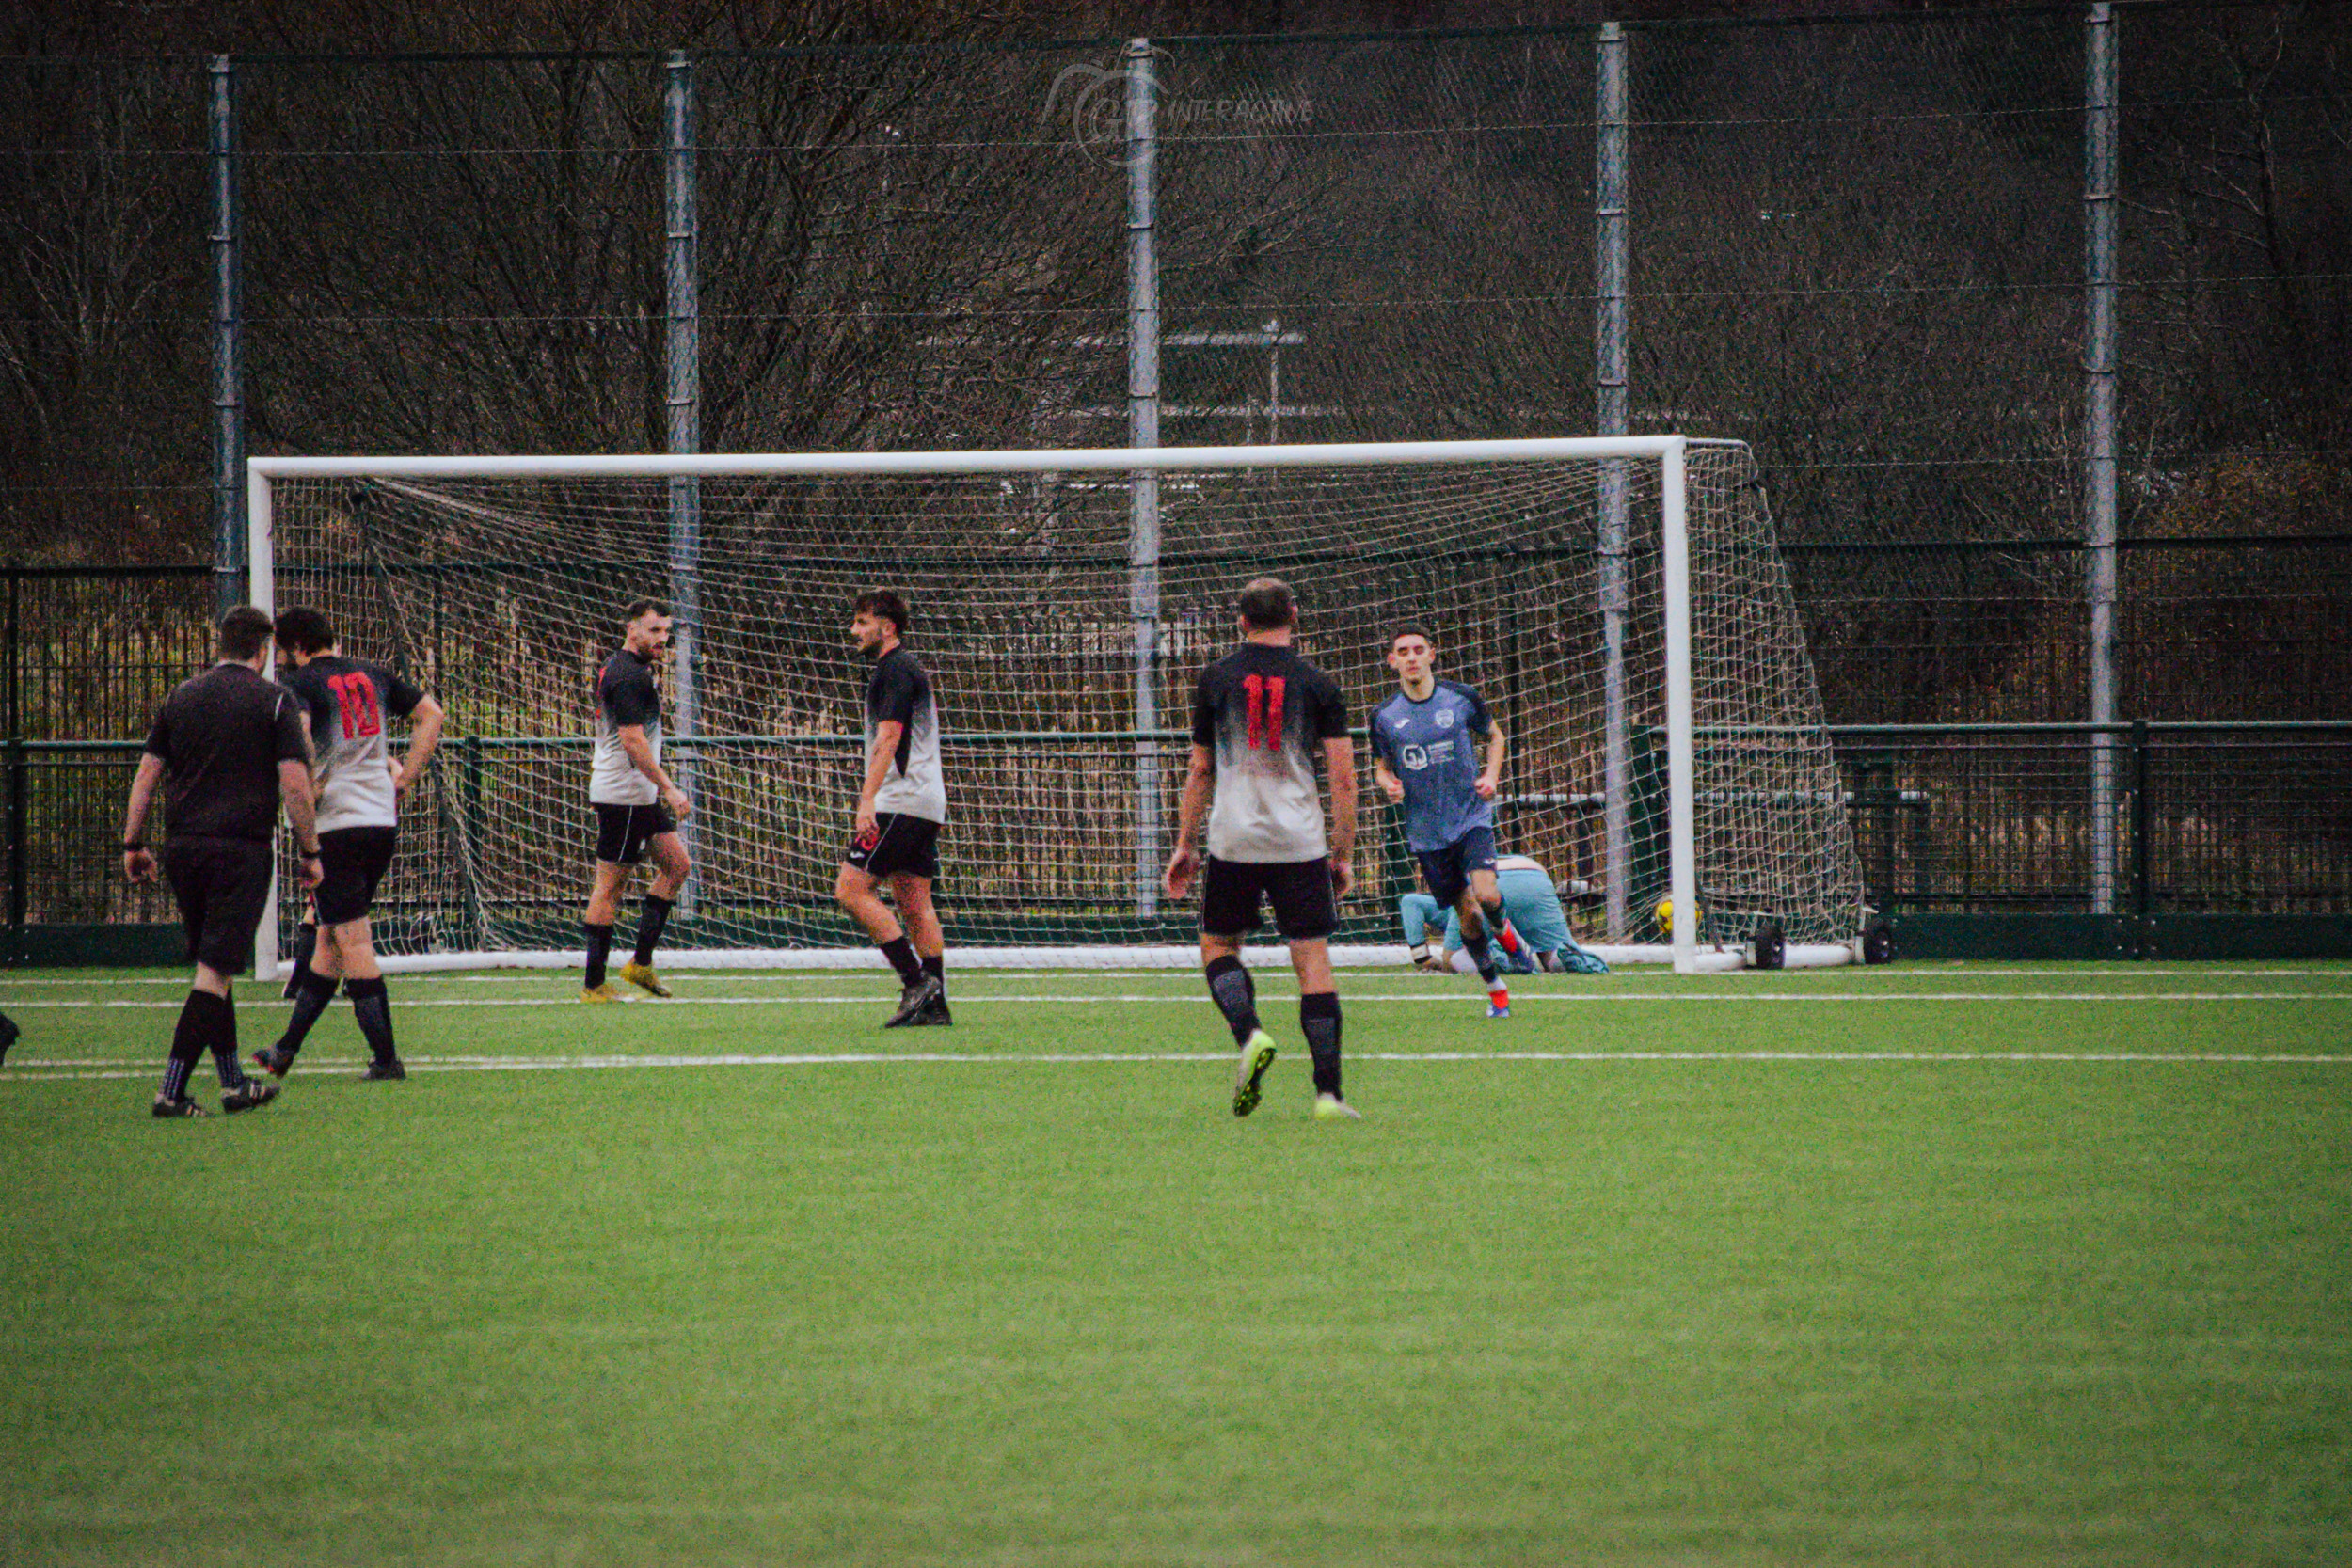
x=221, y=737
x=1265, y=713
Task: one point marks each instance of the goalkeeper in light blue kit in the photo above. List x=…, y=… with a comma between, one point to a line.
x=1425, y=743
x=1530, y=901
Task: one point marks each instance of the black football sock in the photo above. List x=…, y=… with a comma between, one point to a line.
x=373, y=1002
x=650, y=920
x=599, y=952
x=1480, y=953
x=306, y=948
x=187, y=1047
x=220, y=1033
x=1229, y=987
x=1319, y=1020
x=311, y=1005
x=936, y=967
x=900, y=953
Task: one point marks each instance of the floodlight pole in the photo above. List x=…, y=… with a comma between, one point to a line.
x=683, y=393
x=2100, y=216
x=1143, y=430
x=1610, y=272
x=227, y=346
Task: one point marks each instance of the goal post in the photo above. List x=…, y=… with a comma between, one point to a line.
x=1058, y=640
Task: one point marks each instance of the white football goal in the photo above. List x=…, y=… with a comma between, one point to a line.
x=1620, y=603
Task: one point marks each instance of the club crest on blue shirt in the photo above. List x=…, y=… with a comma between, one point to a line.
x=1445, y=718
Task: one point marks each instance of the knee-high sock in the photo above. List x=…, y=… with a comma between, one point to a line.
x=311, y=1005
x=936, y=967
x=599, y=953
x=900, y=951
x=650, y=920
x=220, y=1036
x=188, y=1038
x=1319, y=1020
x=1236, y=995
x=306, y=948
x=373, y=1002
x=1500, y=923
x=1481, y=955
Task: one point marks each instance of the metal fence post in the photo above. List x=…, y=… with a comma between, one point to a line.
x=682, y=392
x=1610, y=270
x=2143, y=853
x=1143, y=430
x=229, y=546
x=2099, y=227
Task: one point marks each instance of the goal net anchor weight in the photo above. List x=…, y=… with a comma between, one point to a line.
x=497, y=582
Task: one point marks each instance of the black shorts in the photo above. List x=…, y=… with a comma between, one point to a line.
x=623, y=832
x=898, y=845
x=1300, y=892
x=222, y=887
x=1448, y=870
x=352, y=860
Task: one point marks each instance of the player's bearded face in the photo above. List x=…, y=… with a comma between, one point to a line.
x=649, y=634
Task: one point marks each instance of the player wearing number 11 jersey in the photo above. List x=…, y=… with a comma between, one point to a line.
x=347, y=703
x=1261, y=718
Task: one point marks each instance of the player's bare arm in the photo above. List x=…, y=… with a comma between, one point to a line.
x=1490, y=777
x=138, y=860
x=1391, y=786
x=640, y=753
x=424, y=733
x=294, y=788
x=878, y=758
x=1200, y=780
x=1339, y=758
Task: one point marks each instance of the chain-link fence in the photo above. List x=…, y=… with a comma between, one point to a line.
x=1858, y=244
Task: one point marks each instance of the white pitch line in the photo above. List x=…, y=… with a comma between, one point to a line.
x=590, y=1063
x=1425, y=998
x=541, y=977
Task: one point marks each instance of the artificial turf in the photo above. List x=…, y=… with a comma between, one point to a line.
x=1920, y=1266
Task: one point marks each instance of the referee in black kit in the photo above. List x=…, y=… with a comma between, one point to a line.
x=227, y=746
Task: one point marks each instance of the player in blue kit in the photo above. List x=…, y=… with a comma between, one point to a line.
x=1424, y=744
x=1531, y=904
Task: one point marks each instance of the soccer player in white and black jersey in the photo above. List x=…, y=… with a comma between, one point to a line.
x=1260, y=716
x=901, y=805
x=227, y=748
x=347, y=704
x=637, y=805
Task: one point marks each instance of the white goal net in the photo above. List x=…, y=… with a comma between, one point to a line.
x=1064, y=603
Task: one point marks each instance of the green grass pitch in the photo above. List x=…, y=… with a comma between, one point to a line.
x=1928, y=1265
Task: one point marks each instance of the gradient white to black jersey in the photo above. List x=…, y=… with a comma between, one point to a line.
x=626, y=694
x=899, y=692
x=1265, y=712
x=348, y=700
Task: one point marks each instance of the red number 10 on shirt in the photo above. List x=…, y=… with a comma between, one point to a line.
x=355, y=693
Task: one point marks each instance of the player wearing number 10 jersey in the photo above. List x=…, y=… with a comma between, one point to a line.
x=347, y=704
x=1261, y=715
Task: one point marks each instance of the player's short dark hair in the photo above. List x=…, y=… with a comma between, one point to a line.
x=1411, y=629
x=304, y=631
x=244, y=632
x=1267, y=604
x=643, y=607
x=884, y=603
